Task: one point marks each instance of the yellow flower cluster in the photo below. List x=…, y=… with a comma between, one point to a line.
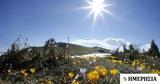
x=135, y=62
x=24, y=72
x=117, y=61
x=93, y=76
x=155, y=71
x=114, y=60
x=100, y=71
x=141, y=64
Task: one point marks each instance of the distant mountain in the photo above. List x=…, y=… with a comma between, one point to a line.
x=81, y=50
x=77, y=49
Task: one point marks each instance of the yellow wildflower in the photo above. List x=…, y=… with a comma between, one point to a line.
x=25, y=74
x=32, y=70
x=114, y=61
x=120, y=61
x=93, y=76
x=142, y=66
x=153, y=71
x=103, y=71
x=133, y=63
x=71, y=75
x=114, y=72
x=76, y=82
x=23, y=71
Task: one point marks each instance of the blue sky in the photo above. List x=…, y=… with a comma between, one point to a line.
x=137, y=21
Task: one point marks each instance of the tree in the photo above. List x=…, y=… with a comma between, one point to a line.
x=154, y=50
x=131, y=48
x=117, y=53
x=133, y=52
x=124, y=49
x=50, y=43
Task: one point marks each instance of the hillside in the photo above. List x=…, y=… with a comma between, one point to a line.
x=81, y=50
x=75, y=49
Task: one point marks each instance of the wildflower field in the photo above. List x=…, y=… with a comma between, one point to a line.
x=53, y=65
x=89, y=70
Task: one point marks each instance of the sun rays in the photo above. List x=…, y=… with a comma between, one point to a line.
x=97, y=8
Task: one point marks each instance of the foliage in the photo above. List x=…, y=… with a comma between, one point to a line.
x=154, y=50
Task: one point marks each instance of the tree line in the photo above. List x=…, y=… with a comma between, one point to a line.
x=133, y=52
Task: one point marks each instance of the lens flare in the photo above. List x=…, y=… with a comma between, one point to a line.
x=97, y=9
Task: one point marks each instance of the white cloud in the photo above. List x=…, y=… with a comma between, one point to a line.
x=108, y=43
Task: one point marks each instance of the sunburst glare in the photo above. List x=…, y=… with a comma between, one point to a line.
x=97, y=9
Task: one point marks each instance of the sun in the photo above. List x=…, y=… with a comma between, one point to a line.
x=97, y=9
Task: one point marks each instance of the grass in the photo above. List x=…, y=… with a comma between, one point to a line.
x=59, y=75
